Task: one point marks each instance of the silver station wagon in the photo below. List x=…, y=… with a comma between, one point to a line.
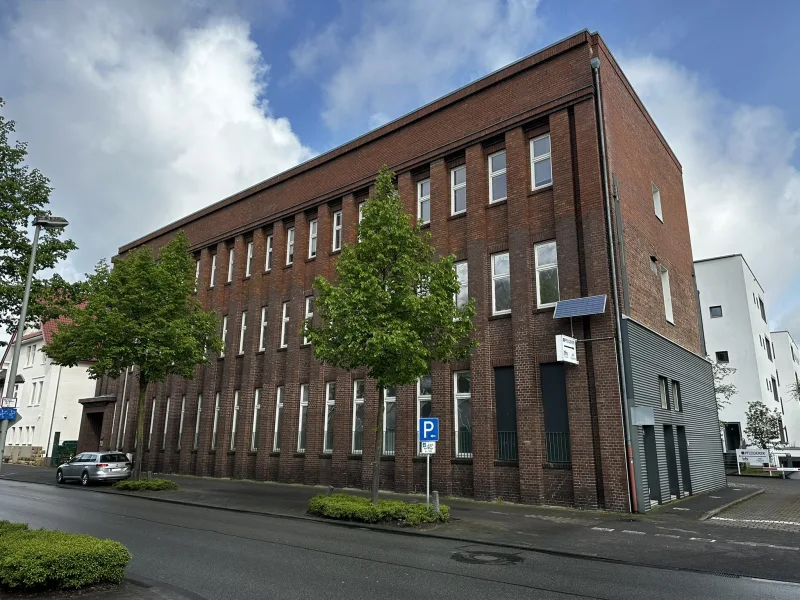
x=88, y=467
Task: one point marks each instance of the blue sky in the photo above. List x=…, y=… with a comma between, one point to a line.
x=141, y=112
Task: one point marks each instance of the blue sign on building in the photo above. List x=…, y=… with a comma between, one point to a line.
x=429, y=430
x=8, y=414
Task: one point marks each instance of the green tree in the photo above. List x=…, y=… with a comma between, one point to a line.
x=763, y=426
x=140, y=314
x=25, y=193
x=392, y=308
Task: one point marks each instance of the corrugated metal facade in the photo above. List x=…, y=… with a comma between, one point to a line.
x=650, y=356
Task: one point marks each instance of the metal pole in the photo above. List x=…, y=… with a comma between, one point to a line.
x=12, y=371
x=428, y=481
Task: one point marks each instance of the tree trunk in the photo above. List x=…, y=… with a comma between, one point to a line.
x=140, y=406
x=376, y=465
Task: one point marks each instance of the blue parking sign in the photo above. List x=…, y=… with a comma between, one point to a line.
x=429, y=430
x=8, y=414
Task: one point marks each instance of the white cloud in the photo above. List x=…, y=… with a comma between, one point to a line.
x=742, y=188
x=139, y=115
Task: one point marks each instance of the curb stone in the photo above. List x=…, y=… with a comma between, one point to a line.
x=707, y=515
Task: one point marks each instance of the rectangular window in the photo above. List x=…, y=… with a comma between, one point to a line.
x=762, y=309
x=196, y=273
x=276, y=440
x=463, y=413
x=662, y=390
x=285, y=325
x=775, y=390
x=224, y=334
x=501, y=284
x=262, y=335
x=497, y=177
x=235, y=420
x=677, y=404
x=256, y=415
x=665, y=290
x=31, y=351
x=462, y=273
x=716, y=311
x=152, y=421
x=230, y=264
x=39, y=394
x=309, y=315
x=290, y=245
x=358, y=417
x=505, y=401
x=389, y=420
x=541, y=164
x=657, y=202
x=337, y=231
x=424, y=402
x=213, y=270
x=196, y=439
x=248, y=267
x=722, y=356
x=768, y=348
x=301, y=427
x=242, y=331
x=458, y=190
x=330, y=410
x=268, y=260
x=43, y=355
x=556, y=413
x=180, y=422
x=166, y=425
x=312, y=238
x=216, y=422
x=360, y=217
x=32, y=395
x=424, y=202
x=547, y=289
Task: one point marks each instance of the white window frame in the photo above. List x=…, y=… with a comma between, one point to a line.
x=330, y=401
x=213, y=270
x=309, y=316
x=196, y=439
x=30, y=353
x=677, y=400
x=303, y=405
x=387, y=399
x=312, y=238
x=285, y=325
x=152, y=421
x=462, y=267
x=421, y=398
x=493, y=174
x=268, y=256
x=360, y=216
x=657, y=207
x=663, y=392
x=498, y=278
x=234, y=420
x=242, y=332
x=224, y=334
x=454, y=187
x=215, y=425
x=456, y=397
x=276, y=442
x=262, y=336
x=248, y=267
x=256, y=415
x=289, y=246
x=231, y=256
x=336, y=243
x=39, y=395
x=537, y=159
x=422, y=199
x=356, y=401
x=166, y=425
x=547, y=267
x=180, y=423
x=196, y=273
x=667, y=293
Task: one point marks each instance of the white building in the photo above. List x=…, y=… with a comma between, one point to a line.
x=787, y=359
x=736, y=332
x=47, y=400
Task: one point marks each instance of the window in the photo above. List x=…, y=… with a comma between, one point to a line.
x=235, y=420
x=358, y=417
x=262, y=335
x=768, y=348
x=389, y=420
x=497, y=177
x=501, y=284
x=230, y=264
x=360, y=217
x=39, y=394
x=775, y=390
x=268, y=260
x=667, y=295
x=197, y=421
x=676, y=397
x=196, y=273
x=31, y=352
x=458, y=190
x=716, y=311
x=309, y=315
x=285, y=325
x=213, y=270
x=657, y=202
x=722, y=356
x=762, y=309
x=505, y=403
x=180, y=423
x=242, y=331
x=547, y=291
x=152, y=420
x=301, y=427
x=276, y=440
x=43, y=355
x=768, y=387
x=662, y=388
x=337, y=231
x=290, y=245
x=330, y=409
x=216, y=422
x=256, y=414
x=166, y=425
x=556, y=413
x=541, y=165
x=463, y=413
x=424, y=401
x=462, y=273
x=424, y=202
x=32, y=395
x=312, y=238
x=248, y=266
x=760, y=340
x=224, y=334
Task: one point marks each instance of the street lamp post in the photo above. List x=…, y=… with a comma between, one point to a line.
x=48, y=222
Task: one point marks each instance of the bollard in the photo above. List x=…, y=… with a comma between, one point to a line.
x=436, y=502
x=330, y=490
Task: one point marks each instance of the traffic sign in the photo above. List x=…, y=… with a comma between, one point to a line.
x=9, y=403
x=8, y=414
x=429, y=430
x=427, y=448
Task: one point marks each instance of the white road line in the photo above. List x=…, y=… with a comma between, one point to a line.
x=681, y=508
x=756, y=521
x=702, y=540
x=715, y=497
x=763, y=545
x=494, y=512
x=633, y=532
x=667, y=535
x=603, y=529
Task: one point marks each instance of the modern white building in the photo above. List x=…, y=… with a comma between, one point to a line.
x=787, y=359
x=47, y=399
x=734, y=318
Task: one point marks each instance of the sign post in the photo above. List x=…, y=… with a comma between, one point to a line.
x=428, y=436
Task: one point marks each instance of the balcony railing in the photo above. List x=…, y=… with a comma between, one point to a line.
x=464, y=444
x=507, y=445
x=558, y=447
x=388, y=442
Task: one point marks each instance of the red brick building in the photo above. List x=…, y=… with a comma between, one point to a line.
x=508, y=172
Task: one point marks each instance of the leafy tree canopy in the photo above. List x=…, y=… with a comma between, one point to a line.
x=763, y=426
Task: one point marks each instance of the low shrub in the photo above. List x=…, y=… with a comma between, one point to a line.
x=355, y=508
x=146, y=485
x=40, y=559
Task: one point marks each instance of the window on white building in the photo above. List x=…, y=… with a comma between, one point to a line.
x=497, y=177
x=424, y=201
x=458, y=190
x=501, y=284
x=541, y=164
x=715, y=311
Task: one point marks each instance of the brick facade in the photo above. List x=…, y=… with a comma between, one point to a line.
x=548, y=92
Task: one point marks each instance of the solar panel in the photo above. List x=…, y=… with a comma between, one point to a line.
x=580, y=307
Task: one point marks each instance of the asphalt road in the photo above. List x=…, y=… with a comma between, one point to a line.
x=215, y=554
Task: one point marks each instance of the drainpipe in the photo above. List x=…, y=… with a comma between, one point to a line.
x=53, y=416
x=598, y=106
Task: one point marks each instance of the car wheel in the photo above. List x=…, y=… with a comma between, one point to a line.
x=85, y=479
x=59, y=476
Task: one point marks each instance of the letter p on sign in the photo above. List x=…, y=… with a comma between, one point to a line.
x=429, y=430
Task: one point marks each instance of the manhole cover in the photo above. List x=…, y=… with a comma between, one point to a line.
x=481, y=557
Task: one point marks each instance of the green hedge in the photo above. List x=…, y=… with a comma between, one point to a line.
x=144, y=485
x=39, y=559
x=356, y=508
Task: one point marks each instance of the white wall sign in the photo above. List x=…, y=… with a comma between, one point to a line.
x=428, y=448
x=753, y=456
x=566, y=349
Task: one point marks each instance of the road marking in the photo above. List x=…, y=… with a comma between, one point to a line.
x=494, y=512
x=756, y=521
x=702, y=540
x=715, y=497
x=763, y=545
x=736, y=489
x=633, y=532
x=603, y=528
x=680, y=508
x=668, y=535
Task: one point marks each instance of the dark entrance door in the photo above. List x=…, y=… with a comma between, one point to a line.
x=651, y=460
x=672, y=463
x=733, y=436
x=506, y=410
x=95, y=421
x=683, y=454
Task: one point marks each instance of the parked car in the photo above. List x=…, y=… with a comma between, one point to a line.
x=95, y=466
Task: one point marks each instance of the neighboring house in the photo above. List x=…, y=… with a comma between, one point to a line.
x=734, y=313
x=787, y=359
x=506, y=175
x=47, y=399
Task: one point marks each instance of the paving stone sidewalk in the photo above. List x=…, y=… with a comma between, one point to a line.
x=777, y=509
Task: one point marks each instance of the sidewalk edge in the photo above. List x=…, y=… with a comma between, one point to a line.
x=707, y=515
